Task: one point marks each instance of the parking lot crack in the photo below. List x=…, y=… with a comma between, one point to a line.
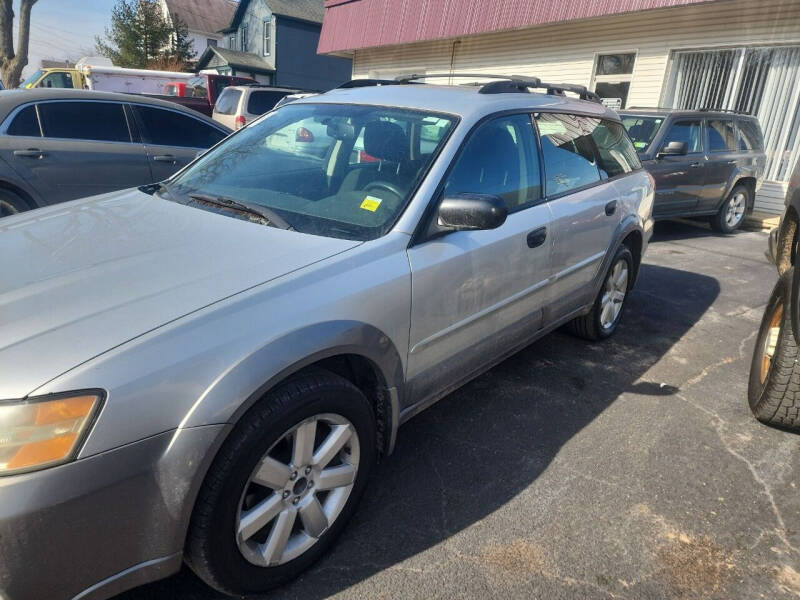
x=720, y=425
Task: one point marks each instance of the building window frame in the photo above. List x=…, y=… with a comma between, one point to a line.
x=614, y=78
x=266, y=37
x=243, y=37
x=211, y=42
x=232, y=42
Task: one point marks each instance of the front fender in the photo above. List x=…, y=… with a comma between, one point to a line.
x=245, y=382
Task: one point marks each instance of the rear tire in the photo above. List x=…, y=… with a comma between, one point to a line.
x=11, y=203
x=273, y=502
x=774, y=387
x=601, y=322
x=731, y=214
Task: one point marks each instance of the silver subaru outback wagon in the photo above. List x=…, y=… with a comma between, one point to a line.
x=205, y=370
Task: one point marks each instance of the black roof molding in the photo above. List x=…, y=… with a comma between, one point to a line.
x=503, y=84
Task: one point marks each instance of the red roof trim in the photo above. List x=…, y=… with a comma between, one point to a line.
x=355, y=24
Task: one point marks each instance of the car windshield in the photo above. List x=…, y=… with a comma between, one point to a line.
x=32, y=78
x=642, y=130
x=335, y=170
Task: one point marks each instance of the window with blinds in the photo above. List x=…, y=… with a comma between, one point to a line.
x=760, y=81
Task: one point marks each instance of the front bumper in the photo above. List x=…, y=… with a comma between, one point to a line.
x=772, y=247
x=98, y=526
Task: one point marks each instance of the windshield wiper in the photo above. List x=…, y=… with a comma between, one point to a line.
x=265, y=215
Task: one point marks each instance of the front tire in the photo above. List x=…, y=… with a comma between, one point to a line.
x=11, y=203
x=774, y=387
x=731, y=213
x=601, y=322
x=283, y=485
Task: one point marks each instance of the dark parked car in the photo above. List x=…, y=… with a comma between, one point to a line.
x=773, y=390
x=61, y=144
x=705, y=163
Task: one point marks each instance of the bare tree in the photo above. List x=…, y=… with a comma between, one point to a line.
x=12, y=63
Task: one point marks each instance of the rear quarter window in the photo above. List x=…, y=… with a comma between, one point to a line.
x=748, y=136
x=721, y=135
x=228, y=101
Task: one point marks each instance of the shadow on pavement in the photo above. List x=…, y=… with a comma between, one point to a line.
x=479, y=447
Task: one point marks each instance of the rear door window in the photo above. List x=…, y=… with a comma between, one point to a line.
x=569, y=161
x=164, y=127
x=96, y=121
x=262, y=101
x=615, y=152
x=689, y=132
x=721, y=135
x=228, y=101
x=25, y=123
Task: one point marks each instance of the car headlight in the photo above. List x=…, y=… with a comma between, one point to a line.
x=42, y=432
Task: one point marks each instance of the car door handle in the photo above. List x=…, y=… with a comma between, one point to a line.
x=694, y=165
x=30, y=153
x=537, y=237
x=732, y=162
x=611, y=208
x=164, y=158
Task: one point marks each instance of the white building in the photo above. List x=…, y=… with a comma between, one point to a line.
x=203, y=18
x=736, y=54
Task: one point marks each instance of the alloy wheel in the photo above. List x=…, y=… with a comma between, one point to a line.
x=614, y=294
x=771, y=342
x=735, y=211
x=297, y=490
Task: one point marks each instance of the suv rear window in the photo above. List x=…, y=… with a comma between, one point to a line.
x=569, y=161
x=616, y=154
x=263, y=101
x=228, y=101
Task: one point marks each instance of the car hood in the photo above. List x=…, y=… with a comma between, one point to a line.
x=83, y=277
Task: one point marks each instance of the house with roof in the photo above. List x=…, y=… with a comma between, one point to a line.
x=736, y=55
x=203, y=18
x=275, y=42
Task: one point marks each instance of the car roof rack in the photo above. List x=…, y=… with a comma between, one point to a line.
x=723, y=110
x=503, y=84
x=357, y=83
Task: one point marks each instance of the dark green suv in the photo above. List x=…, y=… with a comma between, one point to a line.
x=705, y=163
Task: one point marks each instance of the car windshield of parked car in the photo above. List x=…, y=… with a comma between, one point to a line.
x=336, y=170
x=642, y=130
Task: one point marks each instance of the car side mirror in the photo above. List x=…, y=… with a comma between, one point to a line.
x=673, y=149
x=472, y=212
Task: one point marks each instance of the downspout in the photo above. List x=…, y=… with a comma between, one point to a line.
x=453, y=61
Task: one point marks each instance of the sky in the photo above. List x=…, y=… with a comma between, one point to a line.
x=64, y=29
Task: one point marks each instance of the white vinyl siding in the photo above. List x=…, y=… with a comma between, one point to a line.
x=566, y=52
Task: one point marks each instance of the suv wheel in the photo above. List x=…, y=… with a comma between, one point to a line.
x=774, y=387
x=607, y=309
x=283, y=485
x=11, y=203
x=731, y=213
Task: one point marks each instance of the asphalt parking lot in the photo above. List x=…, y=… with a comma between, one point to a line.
x=625, y=469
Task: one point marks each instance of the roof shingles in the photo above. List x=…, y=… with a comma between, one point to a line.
x=206, y=16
